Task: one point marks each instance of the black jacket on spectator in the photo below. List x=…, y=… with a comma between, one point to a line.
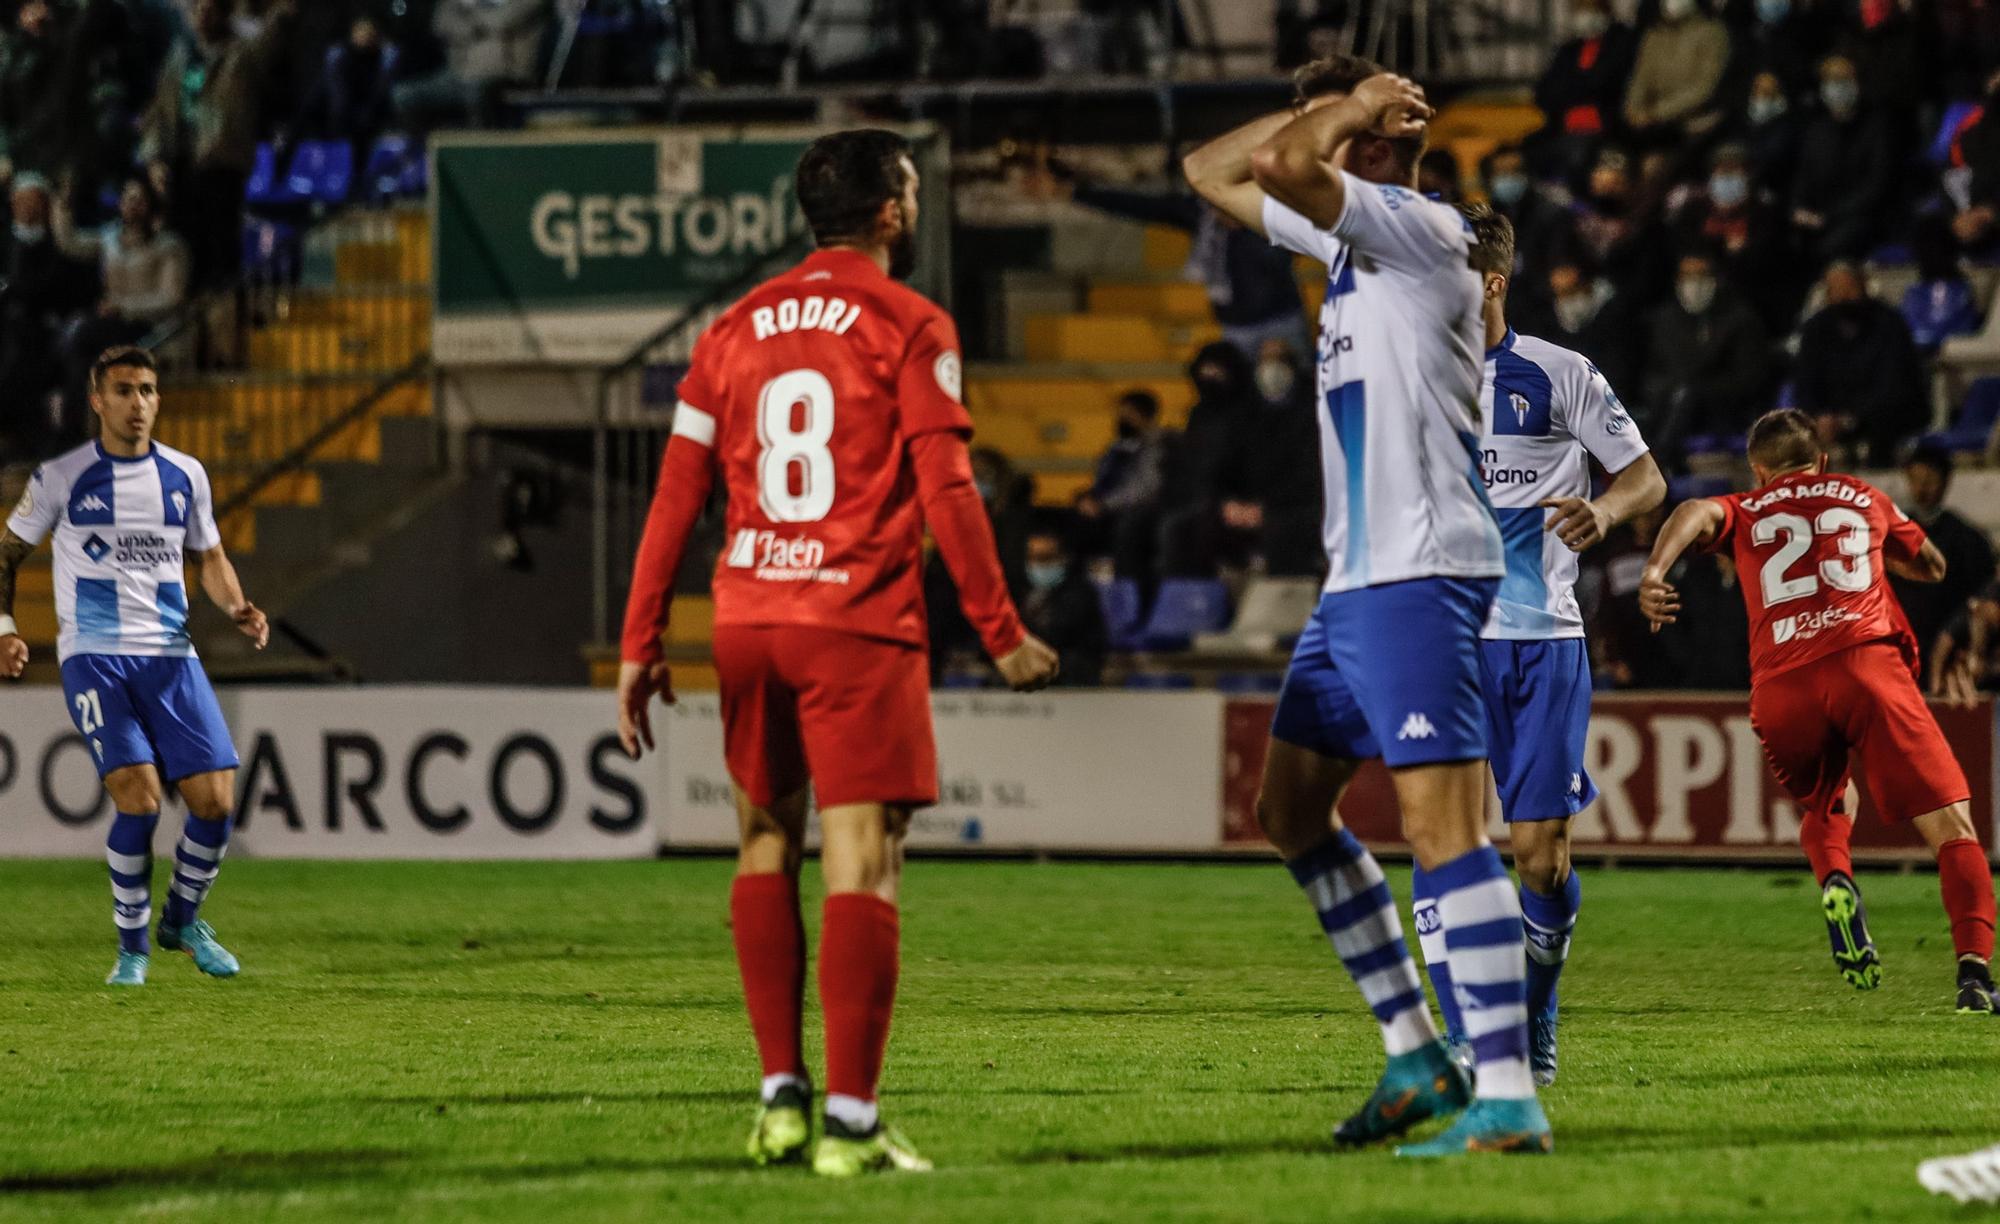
x=1773, y=147
x=1705, y=374
x=1613, y=340
x=1847, y=174
x=1582, y=91
x=34, y=107
x=1258, y=284
x=1709, y=647
x=1755, y=252
x=1628, y=244
x=1857, y=359
x=1789, y=50
x=1071, y=620
x=1969, y=567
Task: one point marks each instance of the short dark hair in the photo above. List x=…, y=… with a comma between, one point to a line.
x=1145, y=401
x=1492, y=240
x=1784, y=438
x=844, y=178
x=124, y=355
x=1930, y=455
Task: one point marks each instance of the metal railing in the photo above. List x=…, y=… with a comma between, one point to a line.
x=284, y=366
x=635, y=404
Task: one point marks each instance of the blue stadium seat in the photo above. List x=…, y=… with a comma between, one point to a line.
x=1159, y=682
x=1246, y=684
x=1123, y=609
x=388, y=162
x=322, y=172
x=1686, y=488
x=961, y=680
x=1183, y=608
x=1975, y=422
x=264, y=187
x=270, y=250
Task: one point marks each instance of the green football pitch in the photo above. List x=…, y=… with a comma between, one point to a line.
x=1073, y=1042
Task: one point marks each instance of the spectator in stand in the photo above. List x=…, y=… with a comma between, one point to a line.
x=1672, y=97
x=1846, y=172
x=42, y=288
x=1771, y=130
x=34, y=106
x=1250, y=283
x=1708, y=360
x=1225, y=398
x=1582, y=92
x=1747, y=233
x=353, y=99
x=1060, y=606
x=1968, y=651
x=1968, y=554
x=1009, y=499
x=1942, y=303
x=1710, y=646
x=1786, y=40
x=200, y=133
x=1891, y=45
x=489, y=45
x=1268, y=485
x=1121, y=509
x=144, y=270
x=1858, y=371
x=1538, y=218
x=1977, y=149
x=1616, y=229
x=1438, y=176
x=1590, y=315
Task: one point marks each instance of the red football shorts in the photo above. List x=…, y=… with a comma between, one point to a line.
x=851, y=714
x=1859, y=706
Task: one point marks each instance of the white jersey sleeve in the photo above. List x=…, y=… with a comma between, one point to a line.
x=202, y=533
x=40, y=506
x=1599, y=421
x=1402, y=230
x=1291, y=229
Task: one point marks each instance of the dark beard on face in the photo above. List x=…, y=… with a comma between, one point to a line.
x=903, y=255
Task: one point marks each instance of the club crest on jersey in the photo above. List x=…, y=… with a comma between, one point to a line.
x=1521, y=408
x=180, y=504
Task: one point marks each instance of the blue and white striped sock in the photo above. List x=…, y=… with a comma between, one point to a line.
x=1430, y=938
x=196, y=860
x=1358, y=914
x=1483, y=940
x=1548, y=922
x=128, y=850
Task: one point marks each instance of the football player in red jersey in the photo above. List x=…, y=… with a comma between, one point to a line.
x=827, y=402
x=1833, y=679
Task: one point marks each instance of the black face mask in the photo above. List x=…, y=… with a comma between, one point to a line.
x=1127, y=431
x=903, y=251
x=1211, y=388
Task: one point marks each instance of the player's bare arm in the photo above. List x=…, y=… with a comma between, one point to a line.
x=1696, y=522
x=1219, y=171
x=1582, y=523
x=13, y=648
x=1296, y=165
x=1927, y=566
x=225, y=591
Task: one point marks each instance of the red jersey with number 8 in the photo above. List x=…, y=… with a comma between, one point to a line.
x=1809, y=551
x=810, y=389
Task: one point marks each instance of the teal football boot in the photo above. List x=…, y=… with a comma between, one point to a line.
x=1422, y=1084
x=129, y=971
x=1492, y=1126
x=197, y=939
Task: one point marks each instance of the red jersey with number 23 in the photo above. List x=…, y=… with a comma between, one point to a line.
x=815, y=382
x=1809, y=551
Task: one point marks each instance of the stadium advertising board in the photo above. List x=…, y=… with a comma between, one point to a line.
x=1680, y=776
x=1051, y=771
x=573, y=249
x=422, y=773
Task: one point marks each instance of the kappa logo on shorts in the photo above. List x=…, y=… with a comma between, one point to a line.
x=1416, y=727
x=1576, y=784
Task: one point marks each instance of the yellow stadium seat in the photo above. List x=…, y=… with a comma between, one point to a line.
x=1167, y=248
x=1180, y=301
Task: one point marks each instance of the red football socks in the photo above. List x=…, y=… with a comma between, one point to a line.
x=1824, y=839
x=771, y=952
x=1967, y=885
x=857, y=989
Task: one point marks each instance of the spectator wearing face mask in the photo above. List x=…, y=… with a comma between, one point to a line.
x=1615, y=228
x=1708, y=360
x=1942, y=303
x=1976, y=152
x=1121, y=509
x=1582, y=92
x=1726, y=215
x=1673, y=92
x=1226, y=397
x=1846, y=170
x=1858, y=372
x=1060, y=606
x=1588, y=313
x=42, y=288
x=1786, y=38
x=1538, y=218
x=1968, y=553
x=1770, y=129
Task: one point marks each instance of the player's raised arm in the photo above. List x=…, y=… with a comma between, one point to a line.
x=687, y=472
x=1695, y=522
x=1927, y=566
x=1297, y=165
x=1219, y=171
x=225, y=590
